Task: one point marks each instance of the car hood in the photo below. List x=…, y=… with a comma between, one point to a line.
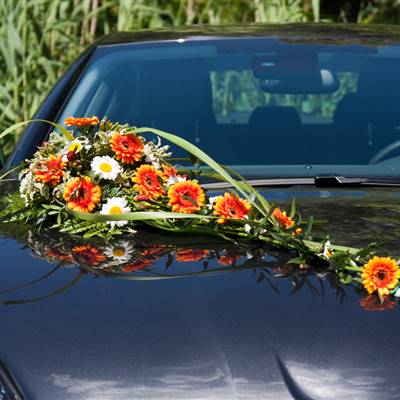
x=252, y=329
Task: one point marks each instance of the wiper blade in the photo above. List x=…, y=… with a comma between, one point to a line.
x=317, y=181
x=340, y=181
x=264, y=182
x=337, y=181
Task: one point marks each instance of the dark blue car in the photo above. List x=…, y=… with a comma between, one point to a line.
x=311, y=111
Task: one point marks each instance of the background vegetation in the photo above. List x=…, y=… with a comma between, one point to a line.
x=39, y=38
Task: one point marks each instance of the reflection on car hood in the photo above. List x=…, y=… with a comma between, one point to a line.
x=353, y=217
x=224, y=322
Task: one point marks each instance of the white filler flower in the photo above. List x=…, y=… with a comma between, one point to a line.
x=115, y=206
x=76, y=146
x=211, y=201
x=106, y=167
x=175, y=179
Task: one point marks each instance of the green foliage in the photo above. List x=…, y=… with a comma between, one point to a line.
x=40, y=38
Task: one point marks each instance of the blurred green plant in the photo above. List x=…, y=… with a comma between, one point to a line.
x=39, y=38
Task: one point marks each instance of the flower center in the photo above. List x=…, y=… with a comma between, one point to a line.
x=104, y=167
x=80, y=193
x=118, y=251
x=125, y=143
x=149, y=181
x=381, y=275
x=187, y=196
x=233, y=212
x=115, y=210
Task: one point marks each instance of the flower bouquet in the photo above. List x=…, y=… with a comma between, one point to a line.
x=103, y=179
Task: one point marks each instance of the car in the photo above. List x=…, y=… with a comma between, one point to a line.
x=310, y=111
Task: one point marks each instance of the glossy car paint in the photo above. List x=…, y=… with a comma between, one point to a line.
x=218, y=337
x=212, y=337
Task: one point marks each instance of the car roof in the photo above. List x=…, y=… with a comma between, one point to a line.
x=307, y=33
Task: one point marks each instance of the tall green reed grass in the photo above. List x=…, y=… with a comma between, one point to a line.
x=39, y=38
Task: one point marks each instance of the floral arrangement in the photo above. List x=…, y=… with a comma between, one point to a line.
x=105, y=179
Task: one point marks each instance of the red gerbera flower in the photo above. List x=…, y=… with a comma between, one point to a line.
x=137, y=266
x=81, y=194
x=231, y=206
x=374, y=303
x=56, y=254
x=186, y=197
x=228, y=259
x=127, y=147
x=147, y=181
x=87, y=254
x=49, y=170
x=190, y=255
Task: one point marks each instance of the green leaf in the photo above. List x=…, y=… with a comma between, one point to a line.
x=135, y=216
x=68, y=135
x=293, y=208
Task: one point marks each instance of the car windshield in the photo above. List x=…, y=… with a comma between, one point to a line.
x=269, y=107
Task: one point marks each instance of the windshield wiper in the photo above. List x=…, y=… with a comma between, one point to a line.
x=317, y=181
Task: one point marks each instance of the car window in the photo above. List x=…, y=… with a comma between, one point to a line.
x=255, y=101
x=237, y=93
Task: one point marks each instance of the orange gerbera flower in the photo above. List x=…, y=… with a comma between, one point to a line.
x=147, y=181
x=190, y=255
x=127, y=147
x=186, y=197
x=49, y=170
x=380, y=274
x=282, y=218
x=373, y=303
x=71, y=121
x=154, y=250
x=230, y=206
x=56, y=254
x=81, y=194
x=168, y=170
x=87, y=254
x=137, y=265
x=228, y=259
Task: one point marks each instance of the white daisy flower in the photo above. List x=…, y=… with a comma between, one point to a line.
x=114, y=206
x=120, y=252
x=106, y=167
x=397, y=293
x=172, y=179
